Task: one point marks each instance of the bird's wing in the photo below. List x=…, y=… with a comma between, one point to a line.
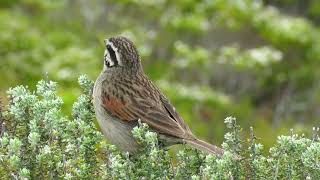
x=174, y=114
x=159, y=115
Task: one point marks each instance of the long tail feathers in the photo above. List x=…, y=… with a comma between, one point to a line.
x=204, y=146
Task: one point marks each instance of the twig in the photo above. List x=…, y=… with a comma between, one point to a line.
x=1, y=120
x=252, y=148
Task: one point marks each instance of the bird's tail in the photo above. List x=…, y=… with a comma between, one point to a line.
x=204, y=146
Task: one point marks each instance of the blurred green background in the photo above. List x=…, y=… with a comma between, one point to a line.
x=255, y=60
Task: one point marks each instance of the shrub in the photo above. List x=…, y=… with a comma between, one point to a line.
x=38, y=142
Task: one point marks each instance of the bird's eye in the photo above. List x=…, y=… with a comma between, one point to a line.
x=107, y=63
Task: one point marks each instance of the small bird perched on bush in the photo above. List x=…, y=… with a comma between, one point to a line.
x=123, y=95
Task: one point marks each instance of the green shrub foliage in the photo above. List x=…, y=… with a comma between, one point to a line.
x=39, y=142
x=257, y=60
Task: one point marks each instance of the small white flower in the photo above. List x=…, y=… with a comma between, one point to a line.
x=46, y=149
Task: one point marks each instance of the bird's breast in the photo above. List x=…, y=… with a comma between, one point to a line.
x=117, y=131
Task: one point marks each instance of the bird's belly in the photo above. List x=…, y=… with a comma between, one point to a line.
x=118, y=133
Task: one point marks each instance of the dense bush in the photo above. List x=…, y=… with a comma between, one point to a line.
x=39, y=142
x=254, y=59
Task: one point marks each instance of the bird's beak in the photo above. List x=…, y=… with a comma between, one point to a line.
x=106, y=41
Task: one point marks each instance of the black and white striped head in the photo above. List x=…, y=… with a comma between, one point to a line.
x=121, y=53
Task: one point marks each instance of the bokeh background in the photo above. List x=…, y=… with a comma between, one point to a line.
x=255, y=60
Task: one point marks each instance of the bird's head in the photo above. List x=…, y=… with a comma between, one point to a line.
x=120, y=53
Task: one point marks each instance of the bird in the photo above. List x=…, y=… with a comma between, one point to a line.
x=123, y=95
